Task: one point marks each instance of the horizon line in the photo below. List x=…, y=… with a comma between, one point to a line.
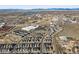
x=36, y=6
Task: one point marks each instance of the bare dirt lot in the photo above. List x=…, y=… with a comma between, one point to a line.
x=71, y=30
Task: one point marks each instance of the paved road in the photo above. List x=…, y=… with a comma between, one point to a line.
x=56, y=45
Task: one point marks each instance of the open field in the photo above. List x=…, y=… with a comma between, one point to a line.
x=71, y=30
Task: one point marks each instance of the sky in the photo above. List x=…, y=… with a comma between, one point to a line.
x=39, y=2
x=36, y=6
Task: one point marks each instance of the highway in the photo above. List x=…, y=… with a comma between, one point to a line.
x=56, y=46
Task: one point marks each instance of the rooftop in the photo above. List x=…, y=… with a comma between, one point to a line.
x=28, y=28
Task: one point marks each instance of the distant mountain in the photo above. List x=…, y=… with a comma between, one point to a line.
x=63, y=8
x=56, y=9
x=11, y=10
x=34, y=10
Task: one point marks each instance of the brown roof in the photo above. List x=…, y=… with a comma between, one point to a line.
x=5, y=28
